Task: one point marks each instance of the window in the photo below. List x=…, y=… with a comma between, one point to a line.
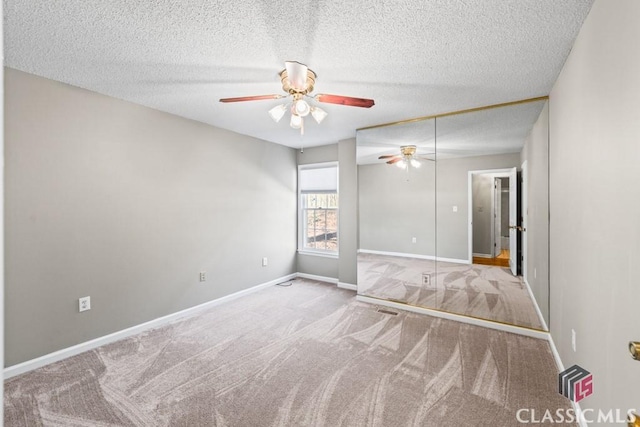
x=318, y=222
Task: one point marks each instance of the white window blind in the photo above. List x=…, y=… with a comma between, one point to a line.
x=319, y=180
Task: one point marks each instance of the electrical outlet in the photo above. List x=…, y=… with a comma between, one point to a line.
x=203, y=276
x=535, y=273
x=265, y=261
x=426, y=279
x=84, y=304
x=455, y=209
x=414, y=240
x=573, y=340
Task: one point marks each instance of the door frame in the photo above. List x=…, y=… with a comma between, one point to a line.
x=497, y=173
x=524, y=213
x=497, y=216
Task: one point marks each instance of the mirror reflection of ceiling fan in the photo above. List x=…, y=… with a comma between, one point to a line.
x=408, y=157
x=298, y=81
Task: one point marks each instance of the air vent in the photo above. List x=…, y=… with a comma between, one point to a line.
x=382, y=310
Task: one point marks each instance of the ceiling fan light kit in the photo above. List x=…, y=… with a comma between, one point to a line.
x=407, y=157
x=298, y=81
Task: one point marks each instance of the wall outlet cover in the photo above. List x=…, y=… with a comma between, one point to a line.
x=426, y=279
x=84, y=304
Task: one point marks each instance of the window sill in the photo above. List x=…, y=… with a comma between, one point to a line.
x=319, y=254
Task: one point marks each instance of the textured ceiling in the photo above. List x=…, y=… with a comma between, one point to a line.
x=414, y=57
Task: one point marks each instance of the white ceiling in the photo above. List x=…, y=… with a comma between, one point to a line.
x=414, y=57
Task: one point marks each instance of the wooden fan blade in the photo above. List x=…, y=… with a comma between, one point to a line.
x=426, y=158
x=396, y=160
x=388, y=156
x=252, y=98
x=345, y=100
x=297, y=75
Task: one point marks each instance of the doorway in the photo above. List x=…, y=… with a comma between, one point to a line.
x=492, y=211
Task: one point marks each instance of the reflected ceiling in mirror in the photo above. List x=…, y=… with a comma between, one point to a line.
x=388, y=140
x=496, y=129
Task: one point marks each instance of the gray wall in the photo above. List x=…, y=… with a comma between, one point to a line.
x=481, y=185
x=452, y=174
x=127, y=205
x=536, y=154
x=314, y=264
x=396, y=205
x=595, y=205
x=348, y=220
x=504, y=208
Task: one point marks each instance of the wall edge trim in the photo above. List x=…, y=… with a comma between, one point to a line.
x=332, y=280
x=535, y=304
x=533, y=333
x=349, y=286
x=556, y=356
x=418, y=256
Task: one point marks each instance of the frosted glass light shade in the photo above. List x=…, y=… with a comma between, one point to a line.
x=301, y=108
x=277, y=112
x=318, y=114
x=296, y=121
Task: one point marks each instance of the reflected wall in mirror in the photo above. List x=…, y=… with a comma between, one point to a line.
x=396, y=211
x=486, y=201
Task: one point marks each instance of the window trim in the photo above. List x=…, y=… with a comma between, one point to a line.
x=317, y=252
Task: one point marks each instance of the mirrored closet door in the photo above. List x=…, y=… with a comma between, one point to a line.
x=460, y=222
x=397, y=211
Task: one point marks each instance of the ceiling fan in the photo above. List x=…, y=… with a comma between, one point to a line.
x=408, y=157
x=298, y=81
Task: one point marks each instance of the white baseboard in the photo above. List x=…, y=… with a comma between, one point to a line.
x=556, y=355
x=318, y=278
x=453, y=260
x=41, y=361
x=482, y=255
x=537, y=307
x=533, y=333
x=349, y=286
x=417, y=256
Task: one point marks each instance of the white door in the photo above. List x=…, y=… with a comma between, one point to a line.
x=513, y=221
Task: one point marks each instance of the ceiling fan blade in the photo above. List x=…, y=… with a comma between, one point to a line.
x=426, y=158
x=388, y=156
x=345, y=100
x=252, y=98
x=396, y=160
x=297, y=75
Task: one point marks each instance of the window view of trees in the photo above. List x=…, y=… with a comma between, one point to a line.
x=320, y=219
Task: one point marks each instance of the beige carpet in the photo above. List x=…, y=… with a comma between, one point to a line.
x=481, y=291
x=304, y=355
